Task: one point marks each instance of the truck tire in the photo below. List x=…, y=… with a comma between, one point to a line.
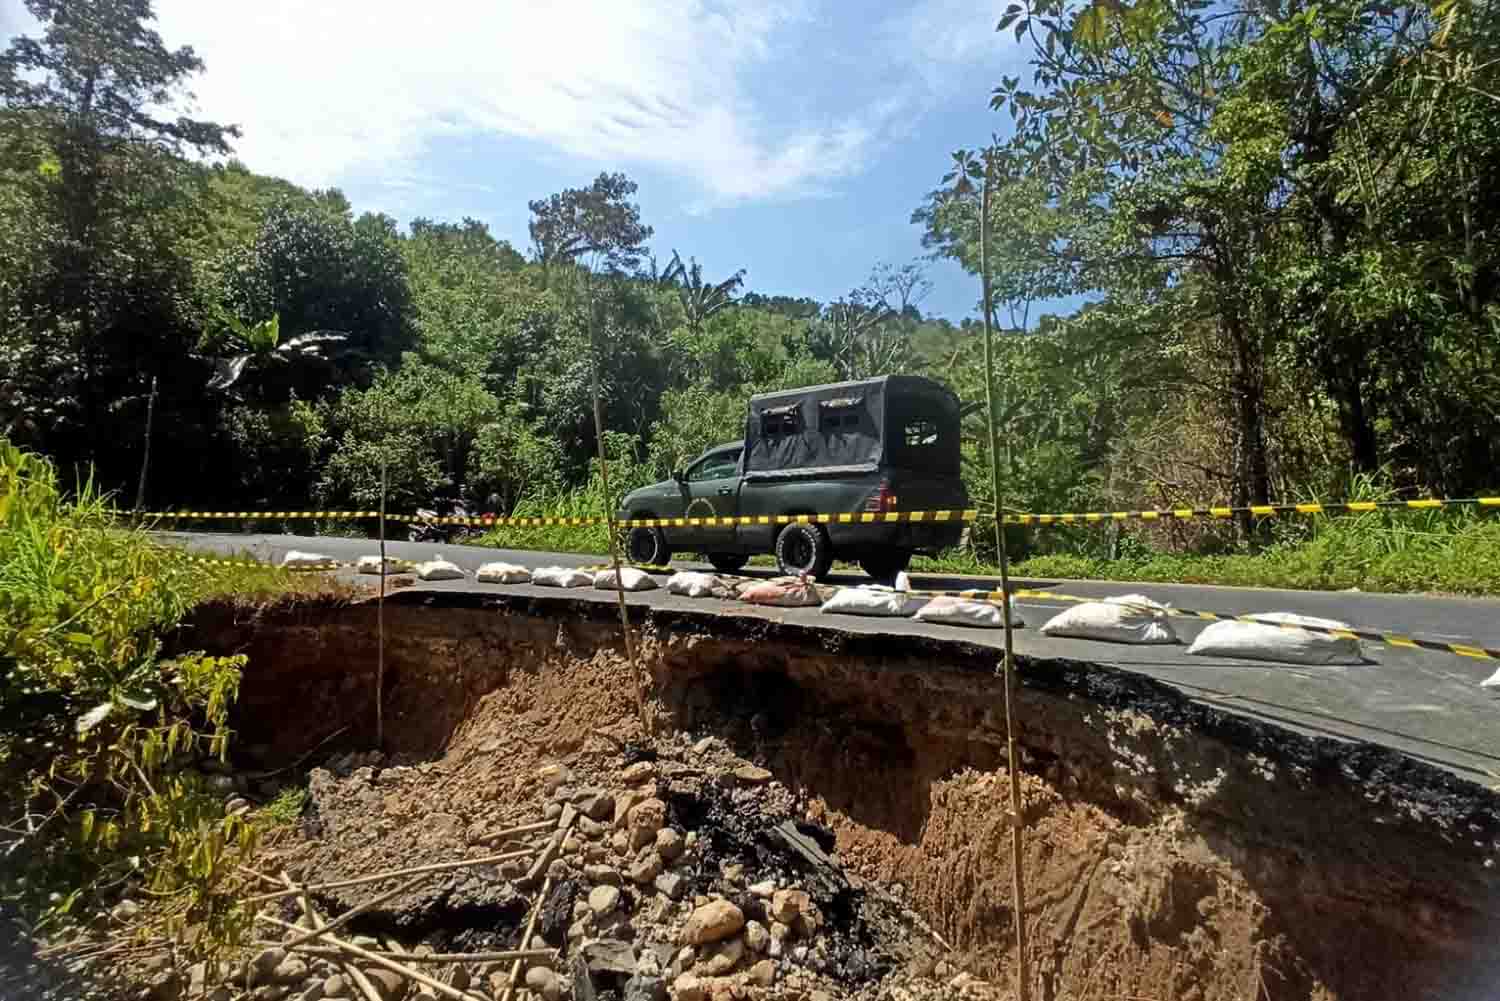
x=728, y=562
x=804, y=549
x=885, y=564
x=648, y=546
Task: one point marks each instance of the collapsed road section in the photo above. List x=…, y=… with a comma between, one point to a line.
x=827, y=815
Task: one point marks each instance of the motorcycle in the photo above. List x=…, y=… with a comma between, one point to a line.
x=428, y=528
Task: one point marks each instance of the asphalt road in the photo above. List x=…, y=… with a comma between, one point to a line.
x=1425, y=704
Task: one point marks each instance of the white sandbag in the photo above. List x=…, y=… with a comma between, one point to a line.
x=903, y=582
x=1493, y=681
x=371, y=565
x=561, y=577
x=438, y=568
x=298, y=560
x=631, y=579
x=693, y=584
x=871, y=600
x=502, y=573
x=781, y=592
x=1130, y=618
x=955, y=611
x=1254, y=641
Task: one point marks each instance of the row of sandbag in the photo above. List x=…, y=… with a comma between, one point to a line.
x=1132, y=618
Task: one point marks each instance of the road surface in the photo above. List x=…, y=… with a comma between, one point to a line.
x=1425, y=704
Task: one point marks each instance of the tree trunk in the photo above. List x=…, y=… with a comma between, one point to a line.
x=1252, y=476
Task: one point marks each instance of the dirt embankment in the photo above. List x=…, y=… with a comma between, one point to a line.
x=1172, y=851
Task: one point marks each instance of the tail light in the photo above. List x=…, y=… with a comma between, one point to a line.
x=882, y=500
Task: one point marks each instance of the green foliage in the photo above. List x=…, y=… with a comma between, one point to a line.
x=96, y=727
x=286, y=807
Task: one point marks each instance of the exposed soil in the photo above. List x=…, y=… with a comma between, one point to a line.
x=1171, y=851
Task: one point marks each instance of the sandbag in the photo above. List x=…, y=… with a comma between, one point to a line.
x=968, y=612
x=782, y=592
x=884, y=602
x=438, y=568
x=371, y=565
x=1130, y=618
x=1255, y=641
x=502, y=573
x=561, y=577
x=1493, y=681
x=630, y=579
x=298, y=560
x=694, y=584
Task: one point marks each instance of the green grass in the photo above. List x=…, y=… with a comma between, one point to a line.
x=286, y=807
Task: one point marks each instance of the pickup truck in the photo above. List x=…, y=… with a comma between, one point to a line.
x=872, y=446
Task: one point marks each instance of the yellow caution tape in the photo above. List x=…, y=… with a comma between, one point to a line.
x=1254, y=510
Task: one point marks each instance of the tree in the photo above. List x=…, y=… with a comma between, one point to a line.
x=260, y=345
x=699, y=299
x=96, y=303
x=866, y=332
x=599, y=223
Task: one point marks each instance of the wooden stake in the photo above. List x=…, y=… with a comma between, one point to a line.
x=513, y=832
x=1018, y=884
x=432, y=957
x=390, y=964
x=392, y=874
x=355, y=912
x=536, y=910
x=380, y=625
x=564, y=824
x=357, y=975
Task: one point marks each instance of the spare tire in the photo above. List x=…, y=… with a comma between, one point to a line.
x=804, y=549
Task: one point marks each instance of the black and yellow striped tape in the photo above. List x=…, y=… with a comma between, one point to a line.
x=844, y=518
x=1373, y=636
x=1254, y=510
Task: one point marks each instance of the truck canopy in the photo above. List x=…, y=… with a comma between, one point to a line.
x=904, y=421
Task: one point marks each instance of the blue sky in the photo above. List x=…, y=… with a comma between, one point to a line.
x=791, y=138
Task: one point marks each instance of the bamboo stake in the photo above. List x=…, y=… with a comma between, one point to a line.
x=432, y=957
x=392, y=874
x=389, y=964
x=536, y=910
x=380, y=624
x=355, y=912
x=355, y=973
x=1018, y=884
x=513, y=832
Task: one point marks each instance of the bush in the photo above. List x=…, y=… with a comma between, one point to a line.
x=96, y=731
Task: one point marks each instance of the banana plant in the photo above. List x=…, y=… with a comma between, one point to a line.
x=246, y=345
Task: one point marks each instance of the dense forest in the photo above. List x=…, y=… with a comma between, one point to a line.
x=1282, y=219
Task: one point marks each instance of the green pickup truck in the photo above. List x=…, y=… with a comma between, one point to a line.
x=872, y=446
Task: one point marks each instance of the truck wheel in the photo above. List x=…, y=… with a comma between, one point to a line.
x=728, y=562
x=804, y=549
x=885, y=564
x=648, y=546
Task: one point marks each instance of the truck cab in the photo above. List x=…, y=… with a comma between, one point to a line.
x=864, y=448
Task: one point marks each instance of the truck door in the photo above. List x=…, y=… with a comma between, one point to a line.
x=710, y=490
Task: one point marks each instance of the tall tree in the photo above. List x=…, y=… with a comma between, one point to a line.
x=598, y=224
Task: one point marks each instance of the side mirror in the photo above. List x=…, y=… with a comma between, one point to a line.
x=679, y=475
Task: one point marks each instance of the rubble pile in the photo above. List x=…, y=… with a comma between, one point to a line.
x=671, y=872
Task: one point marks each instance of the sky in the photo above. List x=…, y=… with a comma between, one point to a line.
x=791, y=138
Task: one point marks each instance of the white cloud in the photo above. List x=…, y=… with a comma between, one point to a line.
x=338, y=89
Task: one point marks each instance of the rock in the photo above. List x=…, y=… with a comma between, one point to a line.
x=944, y=970
x=765, y=890
x=445, y=825
x=594, y=804
x=460, y=980
x=552, y=811
x=571, y=845
x=236, y=806
x=715, y=920
x=604, y=899
x=558, y=869
x=757, y=937
x=795, y=908
x=390, y=985
x=704, y=746
x=544, y=982
x=669, y=844
x=672, y=885
x=336, y=986
x=125, y=910
x=733, y=872
x=638, y=774
x=648, y=815
x=624, y=803
x=722, y=958
x=645, y=988
x=779, y=934
x=819, y=996
x=219, y=993
x=689, y=988
x=621, y=842
x=608, y=956
x=291, y=970
x=578, y=930
x=264, y=964
x=646, y=869
x=552, y=776
x=591, y=828
x=602, y=874
x=269, y=992
x=314, y=992
x=751, y=775
x=763, y=973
